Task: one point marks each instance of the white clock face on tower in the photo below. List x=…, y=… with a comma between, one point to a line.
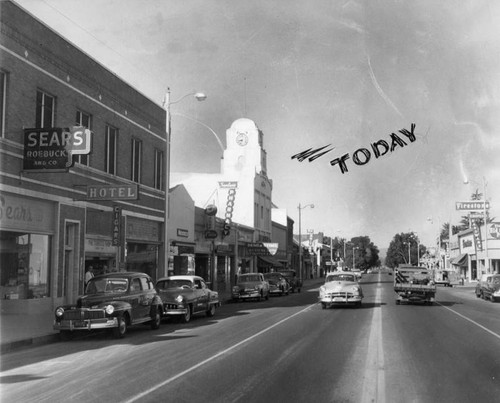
x=242, y=139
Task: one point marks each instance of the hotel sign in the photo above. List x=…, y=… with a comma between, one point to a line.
x=112, y=192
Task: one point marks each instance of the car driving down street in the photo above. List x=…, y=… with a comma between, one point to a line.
x=340, y=288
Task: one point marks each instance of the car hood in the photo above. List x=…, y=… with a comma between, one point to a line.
x=171, y=293
x=92, y=300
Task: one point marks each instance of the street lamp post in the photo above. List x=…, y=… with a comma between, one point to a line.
x=353, y=257
x=409, y=255
x=166, y=104
x=300, y=238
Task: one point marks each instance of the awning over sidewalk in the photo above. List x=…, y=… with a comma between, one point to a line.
x=460, y=260
x=270, y=261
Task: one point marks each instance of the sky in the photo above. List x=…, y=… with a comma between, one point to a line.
x=319, y=73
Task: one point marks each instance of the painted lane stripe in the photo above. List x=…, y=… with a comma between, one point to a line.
x=227, y=350
x=471, y=321
x=374, y=375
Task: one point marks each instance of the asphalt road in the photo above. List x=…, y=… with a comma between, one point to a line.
x=286, y=349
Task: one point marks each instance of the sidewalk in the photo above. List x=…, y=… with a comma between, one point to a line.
x=21, y=331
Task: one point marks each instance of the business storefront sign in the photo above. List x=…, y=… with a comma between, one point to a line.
x=26, y=214
x=112, y=192
x=51, y=149
x=117, y=225
x=477, y=236
x=477, y=205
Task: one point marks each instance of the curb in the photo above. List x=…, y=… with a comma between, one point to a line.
x=29, y=342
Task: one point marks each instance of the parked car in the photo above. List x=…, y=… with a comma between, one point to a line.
x=489, y=287
x=278, y=284
x=250, y=285
x=293, y=280
x=340, y=288
x=112, y=301
x=185, y=295
x=479, y=285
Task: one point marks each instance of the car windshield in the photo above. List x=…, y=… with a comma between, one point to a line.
x=105, y=285
x=287, y=273
x=173, y=283
x=340, y=277
x=250, y=277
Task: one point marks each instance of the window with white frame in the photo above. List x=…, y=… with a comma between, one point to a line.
x=158, y=179
x=110, y=150
x=136, y=160
x=3, y=101
x=45, y=110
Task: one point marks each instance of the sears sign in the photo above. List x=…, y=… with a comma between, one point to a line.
x=52, y=149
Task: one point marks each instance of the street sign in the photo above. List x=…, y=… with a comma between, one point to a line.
x=471, y=205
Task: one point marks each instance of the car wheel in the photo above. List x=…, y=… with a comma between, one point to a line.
x=492, y=298
x=66, y=335
x=358, y=304
x=398, y=302
x=155, y=317
x=211, y=311
x=267, y=296
x=187, y=316
x=298, y=290
x=323, y=305
x=119, y=332
x=482, y=295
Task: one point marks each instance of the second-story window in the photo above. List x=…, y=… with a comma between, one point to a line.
x=3, y=101
x=45, y=110
x=158, y=179
x=110, y=150
x=136, y=160
x=82, y=119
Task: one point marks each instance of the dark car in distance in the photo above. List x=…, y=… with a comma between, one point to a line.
x=112, y=301
x=293, y=280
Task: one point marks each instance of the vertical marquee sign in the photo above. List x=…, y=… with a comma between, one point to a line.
x=117, y=225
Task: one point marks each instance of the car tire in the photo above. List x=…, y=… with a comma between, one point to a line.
x=187, y=316
x=492, y=298
x=358, y=304
x=398, y=302
x=211, y=310
x=120, y=331
x=155, y=317
x=267, y=296
x=323, y=305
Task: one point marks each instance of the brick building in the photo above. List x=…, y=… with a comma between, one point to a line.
x=61, y=212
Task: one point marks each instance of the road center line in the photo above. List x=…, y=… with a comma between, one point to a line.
x=471, y=321
x=374, y=376
x=167, y=381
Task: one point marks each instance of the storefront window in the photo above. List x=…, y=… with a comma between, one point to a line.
x=142, y=257
x=24, y=265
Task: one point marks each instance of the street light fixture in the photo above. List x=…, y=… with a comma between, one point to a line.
x=300, y=237
x=200, y=96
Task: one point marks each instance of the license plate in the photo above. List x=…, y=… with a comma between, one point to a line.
x=79, y=323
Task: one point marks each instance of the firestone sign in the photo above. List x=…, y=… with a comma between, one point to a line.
x=52, y=149
x=471, y=205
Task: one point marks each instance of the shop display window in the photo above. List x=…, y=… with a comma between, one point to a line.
x=24, y=265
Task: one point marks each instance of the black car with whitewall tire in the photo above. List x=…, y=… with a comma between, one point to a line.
x=112, y=301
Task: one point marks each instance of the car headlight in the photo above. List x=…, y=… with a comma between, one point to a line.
x=59, y=312
x=179, y=299
x=236, y=289
x=109, y=309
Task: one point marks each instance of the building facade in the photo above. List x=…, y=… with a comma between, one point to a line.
x=76, y=188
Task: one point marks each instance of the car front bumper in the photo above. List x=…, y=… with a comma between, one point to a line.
x=247, y=295
x=340, y=298
x=85, y=324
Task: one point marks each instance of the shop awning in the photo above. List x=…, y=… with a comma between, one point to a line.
x=270, y=261
x=460, y=260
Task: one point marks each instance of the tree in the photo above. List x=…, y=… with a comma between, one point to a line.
x=405, y=248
